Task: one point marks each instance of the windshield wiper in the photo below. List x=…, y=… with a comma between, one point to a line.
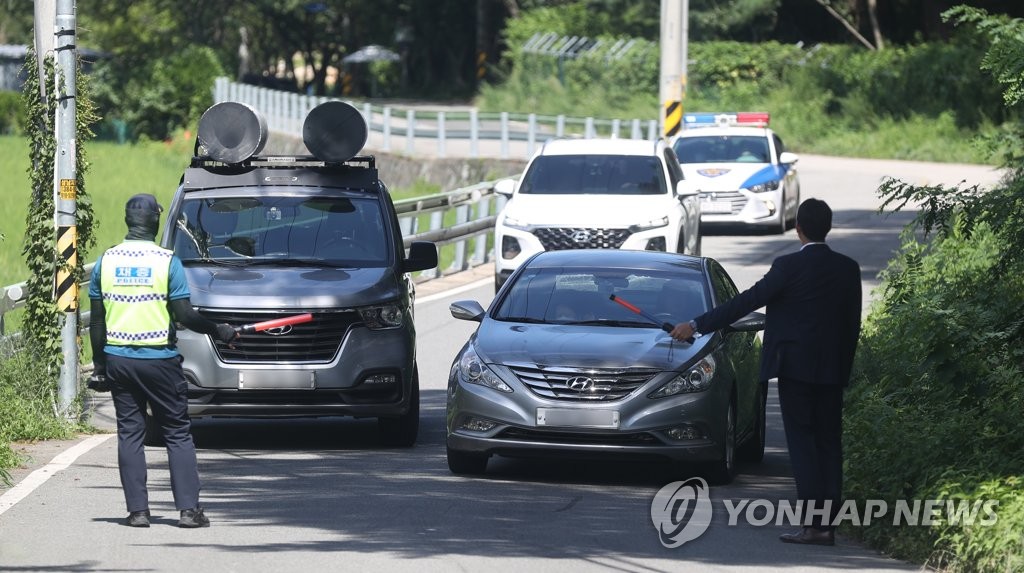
x=608, y=322
x=527, y=319
x=319, y=263
x=217, y=262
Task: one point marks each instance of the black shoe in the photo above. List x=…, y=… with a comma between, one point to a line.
x=193, y=518
x=810, y=536
x=137, y=519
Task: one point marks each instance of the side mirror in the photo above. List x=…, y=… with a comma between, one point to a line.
x=422, y=256
x=750, y=323
x=788, y=158
x=467, y=310
x=505, y=187
x=686, y=189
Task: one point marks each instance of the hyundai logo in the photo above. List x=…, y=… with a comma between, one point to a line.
x=581, y=236
x=580, y=383
x=279, y=331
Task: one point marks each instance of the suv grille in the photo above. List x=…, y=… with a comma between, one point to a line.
x=315, y=341
x=582, y=384
x=565, y=238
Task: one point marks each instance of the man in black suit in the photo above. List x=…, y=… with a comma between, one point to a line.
x=813, y=307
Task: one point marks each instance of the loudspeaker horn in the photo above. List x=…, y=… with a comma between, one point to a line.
x=334, y=131
x=231, y=132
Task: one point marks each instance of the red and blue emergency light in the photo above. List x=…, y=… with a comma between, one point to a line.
x=731, y=119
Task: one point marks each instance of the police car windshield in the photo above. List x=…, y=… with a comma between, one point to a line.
x=332, y=231
x=722, y=149
x=594, y=174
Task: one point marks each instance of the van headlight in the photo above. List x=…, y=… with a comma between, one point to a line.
x=696, y=379
x=652, y=224
x=764, y=187
x=473, y=371
x=382, y=317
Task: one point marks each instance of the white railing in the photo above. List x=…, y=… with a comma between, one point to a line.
x=459, y=222
x=447, y=132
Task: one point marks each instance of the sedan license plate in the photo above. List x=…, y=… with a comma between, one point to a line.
x=577, y=418
x=716, y=207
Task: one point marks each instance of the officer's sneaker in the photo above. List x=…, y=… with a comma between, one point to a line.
x=193, y=518
x=137, y=519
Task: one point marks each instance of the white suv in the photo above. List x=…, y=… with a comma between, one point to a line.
x=596, y=193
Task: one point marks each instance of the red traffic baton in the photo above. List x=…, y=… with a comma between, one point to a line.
x=667, y=327
x=275, y=323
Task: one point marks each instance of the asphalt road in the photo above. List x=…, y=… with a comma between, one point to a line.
x=322, y=495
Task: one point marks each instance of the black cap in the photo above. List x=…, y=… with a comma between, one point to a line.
x=143, y=202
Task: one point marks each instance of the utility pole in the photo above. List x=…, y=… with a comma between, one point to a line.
x=45, y=11
x=674, y=14
x=65, y=189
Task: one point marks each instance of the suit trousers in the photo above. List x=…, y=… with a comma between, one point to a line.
x=160, y=383
x=812, y=415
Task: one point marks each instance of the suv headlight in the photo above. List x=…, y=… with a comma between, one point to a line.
x=652, y=224
x=514, y=223
x=696, y=379
x=382, y=317
x=764, y=187
x=473, y=370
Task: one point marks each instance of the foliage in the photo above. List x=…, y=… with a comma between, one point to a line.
x=12, y=113
x=947, y=424
x=41, y=323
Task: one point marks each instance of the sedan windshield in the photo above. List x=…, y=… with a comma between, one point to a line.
x=582, y=296
x=722, y=149
x=282, y=230
x=594, y=174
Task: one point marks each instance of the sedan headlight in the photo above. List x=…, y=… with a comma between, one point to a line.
x=764, y=187
x=382, y=317
x=696, y=379
x=652, y=224
x=473, y=370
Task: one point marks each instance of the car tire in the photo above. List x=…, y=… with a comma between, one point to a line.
x=791, y=224
x=466, y=463
x=700, y=236
x=402, y=431
x=783, y=218
x=723, y=471
x=752, y=450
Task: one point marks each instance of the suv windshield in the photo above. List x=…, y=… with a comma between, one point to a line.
x=722, y=149
x=287, y=229
x=594, y=174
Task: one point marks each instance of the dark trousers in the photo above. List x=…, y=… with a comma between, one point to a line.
x=812, y=415
x=161, y=384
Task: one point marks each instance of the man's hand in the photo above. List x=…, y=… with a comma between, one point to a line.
x=682, y=332
x=99, y=383
x=226, y=333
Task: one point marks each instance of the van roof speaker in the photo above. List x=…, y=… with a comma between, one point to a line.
x=231, y=132
x=334, y=131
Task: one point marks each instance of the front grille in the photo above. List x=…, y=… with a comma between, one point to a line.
x=605, y=384
x=600, y=438
x=737, y=201
x=310, y=342
x=565, y=238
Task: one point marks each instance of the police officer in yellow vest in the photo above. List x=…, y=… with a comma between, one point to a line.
x=135, y=289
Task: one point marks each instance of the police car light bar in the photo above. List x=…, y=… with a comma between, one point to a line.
x=731, y=119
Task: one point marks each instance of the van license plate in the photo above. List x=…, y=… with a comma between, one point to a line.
x=276, y=380
x=577, y=418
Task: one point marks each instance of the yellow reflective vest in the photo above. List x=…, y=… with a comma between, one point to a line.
x=134, y=279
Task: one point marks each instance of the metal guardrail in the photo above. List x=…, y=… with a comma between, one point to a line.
x=460, y=222
x=437, y=131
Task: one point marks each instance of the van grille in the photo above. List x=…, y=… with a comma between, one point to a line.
x=565, y=238
x=311, y=342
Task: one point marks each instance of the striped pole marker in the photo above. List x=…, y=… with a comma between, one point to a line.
x=673, y=117
x=481, y=65
x=66, y=286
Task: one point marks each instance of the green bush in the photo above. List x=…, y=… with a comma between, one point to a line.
x=12, y=113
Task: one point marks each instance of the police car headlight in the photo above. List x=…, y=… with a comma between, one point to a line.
x=382, y=317
x=763, y=187
x=652, y=224
x=473, y=370
x=696, y=379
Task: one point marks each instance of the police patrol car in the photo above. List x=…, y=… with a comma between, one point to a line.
x=741, y=168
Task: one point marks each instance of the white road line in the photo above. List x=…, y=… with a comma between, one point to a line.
x=39, y=477
x=455, y=291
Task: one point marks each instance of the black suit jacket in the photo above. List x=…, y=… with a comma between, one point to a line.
x=813, y=306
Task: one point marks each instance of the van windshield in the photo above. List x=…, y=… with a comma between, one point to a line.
x=296, y=230
x=594, y=174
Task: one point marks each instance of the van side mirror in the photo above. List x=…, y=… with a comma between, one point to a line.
x=505, y=187
x=686, y=189
x=422, y=256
